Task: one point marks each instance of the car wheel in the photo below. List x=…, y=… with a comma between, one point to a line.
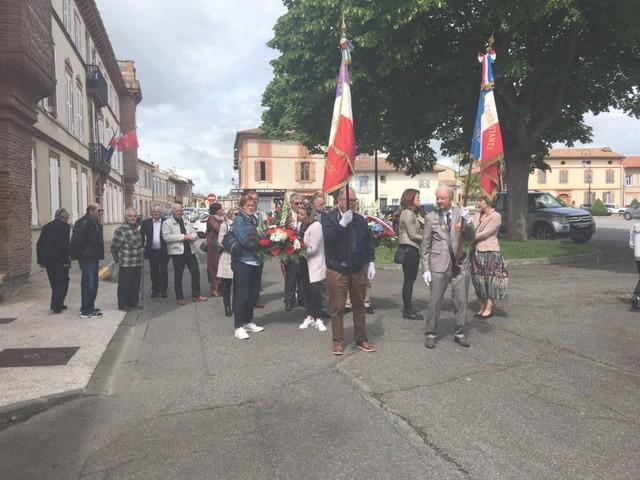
x=581, y=237
x=543, y=231
x=627, y=216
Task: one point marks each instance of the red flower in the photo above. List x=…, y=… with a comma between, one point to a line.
x=290, y=250
x=275, y=251
x=264, y=242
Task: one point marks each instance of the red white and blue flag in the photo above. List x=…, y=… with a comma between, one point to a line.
x=342, y=141
x=486, y=144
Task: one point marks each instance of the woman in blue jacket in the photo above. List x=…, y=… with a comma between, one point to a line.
x=245, y=269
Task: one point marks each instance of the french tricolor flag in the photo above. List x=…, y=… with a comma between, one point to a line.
x=342, y=142
x=486, y=144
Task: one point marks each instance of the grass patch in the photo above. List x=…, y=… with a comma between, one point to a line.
x=514, y=250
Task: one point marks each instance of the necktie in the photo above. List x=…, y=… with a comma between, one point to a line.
x=449, y=221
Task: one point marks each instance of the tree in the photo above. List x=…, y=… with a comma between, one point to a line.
x=415, y=76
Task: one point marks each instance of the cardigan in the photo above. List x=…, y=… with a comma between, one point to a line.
x=409, y=229
x=314, y=243
x=487, y=232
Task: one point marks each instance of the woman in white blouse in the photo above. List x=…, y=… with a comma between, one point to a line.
x=313, y=270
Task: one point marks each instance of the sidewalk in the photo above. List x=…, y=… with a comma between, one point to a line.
x=27, y=322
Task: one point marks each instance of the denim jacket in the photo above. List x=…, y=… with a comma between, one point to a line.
x=245, y=229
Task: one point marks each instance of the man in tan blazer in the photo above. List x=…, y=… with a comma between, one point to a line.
x=443, y=229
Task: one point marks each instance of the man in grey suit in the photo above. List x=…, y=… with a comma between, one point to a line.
x=444, y=228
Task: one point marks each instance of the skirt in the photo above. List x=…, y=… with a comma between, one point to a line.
x=489, y=275
x=224, y=266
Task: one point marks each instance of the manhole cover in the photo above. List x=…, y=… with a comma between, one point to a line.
x=7, y=320
x=36, y=357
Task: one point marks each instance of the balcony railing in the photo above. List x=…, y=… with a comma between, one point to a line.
x=98, y=158
x=97, y=85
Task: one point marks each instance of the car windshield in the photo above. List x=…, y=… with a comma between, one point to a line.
x=543, y=200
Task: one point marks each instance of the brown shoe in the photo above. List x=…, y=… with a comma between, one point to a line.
x=181, y=301
x=259, y=305
x=338, y=348
x=199, y=299
x=365, y=346
x=215, y=292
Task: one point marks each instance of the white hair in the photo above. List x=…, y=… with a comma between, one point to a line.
x=445, y=188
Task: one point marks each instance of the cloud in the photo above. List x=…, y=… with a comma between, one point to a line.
x=202, y=66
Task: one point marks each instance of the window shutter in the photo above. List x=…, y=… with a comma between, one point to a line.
x=257, y=171
x=312, y=171
x=269, y=170
x=298, y=171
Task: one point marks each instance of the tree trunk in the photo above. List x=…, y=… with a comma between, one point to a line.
x=517, y=164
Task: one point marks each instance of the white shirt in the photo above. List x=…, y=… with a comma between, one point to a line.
x=155, y=242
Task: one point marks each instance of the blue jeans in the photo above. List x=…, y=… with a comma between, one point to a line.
x=89, y=285
x=245, y=286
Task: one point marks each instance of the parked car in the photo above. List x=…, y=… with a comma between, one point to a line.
x=549, y=219
x=614, y=209
x=394, y=212
x=631, y=212
x=201, y=225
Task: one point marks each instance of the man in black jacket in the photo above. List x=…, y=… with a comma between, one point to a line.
x=155, y=250
x=53, y=254
x=348, y=269
x=87, y=246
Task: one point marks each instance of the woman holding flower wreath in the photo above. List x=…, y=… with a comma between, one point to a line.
x=313, y=269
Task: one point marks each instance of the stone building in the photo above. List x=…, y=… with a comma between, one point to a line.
x=58, y=72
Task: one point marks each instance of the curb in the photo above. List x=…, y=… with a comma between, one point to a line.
x=19, y=412
x=596, y=254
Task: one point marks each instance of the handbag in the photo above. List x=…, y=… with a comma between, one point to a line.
x=217, y=247
x=204, y=246
x=401, y=254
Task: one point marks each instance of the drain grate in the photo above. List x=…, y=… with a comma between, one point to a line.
x=7, y=320
x=36, y=357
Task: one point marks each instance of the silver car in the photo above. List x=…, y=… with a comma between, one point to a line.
x=631, y=212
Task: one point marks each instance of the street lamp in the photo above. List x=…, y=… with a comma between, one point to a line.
x=588, y=163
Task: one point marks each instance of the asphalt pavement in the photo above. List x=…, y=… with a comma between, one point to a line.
x=548, y=390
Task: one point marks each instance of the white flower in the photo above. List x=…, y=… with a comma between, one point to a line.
x=296, y=244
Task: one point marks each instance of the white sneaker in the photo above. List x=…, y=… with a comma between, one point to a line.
x=319, y=324
x=253, y=328
x=307, y=322
x=241, y=334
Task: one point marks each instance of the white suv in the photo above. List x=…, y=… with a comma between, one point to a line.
x=614, y=209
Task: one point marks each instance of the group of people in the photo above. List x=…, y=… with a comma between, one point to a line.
x=453, y=248
x=334, y=276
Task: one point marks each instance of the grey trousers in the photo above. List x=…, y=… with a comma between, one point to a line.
x=459, y=292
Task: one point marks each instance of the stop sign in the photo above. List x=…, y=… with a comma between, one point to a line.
x=211, y=198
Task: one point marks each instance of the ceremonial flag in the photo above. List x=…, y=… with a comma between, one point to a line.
x=342, y=142
x=128, y=141
x=112, y=146
x=486, y=145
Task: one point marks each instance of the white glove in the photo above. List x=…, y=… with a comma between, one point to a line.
x=372, y=271
x=347, y=218
x=464, y=213
x=427, y=277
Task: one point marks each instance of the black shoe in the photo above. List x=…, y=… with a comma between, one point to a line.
x=324, y=314
x=461, y=340
x=635, y=302
x=430, y=341
x=369, y=310
x=288, y=307
x=409, y=315
x=302, y=304
x=163, y=294
x=124, y=308
x=137, y=306
x=346, y=310
x=64, y=307
x=228, y=312
x=56, y=310
x=154, y=294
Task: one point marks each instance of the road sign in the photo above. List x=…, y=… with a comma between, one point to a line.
x=211, y=198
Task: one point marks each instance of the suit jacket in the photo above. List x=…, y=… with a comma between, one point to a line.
x=336, y=243
x=53, y=245
x=436, y=255
x=146, y=230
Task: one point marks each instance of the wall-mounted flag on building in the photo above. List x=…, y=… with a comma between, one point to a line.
x=128, y=141
x=342, y=141
x=486, y=144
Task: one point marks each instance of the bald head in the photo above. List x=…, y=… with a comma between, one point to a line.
x=342, y=199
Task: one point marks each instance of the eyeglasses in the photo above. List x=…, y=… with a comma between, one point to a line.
x=100, y=210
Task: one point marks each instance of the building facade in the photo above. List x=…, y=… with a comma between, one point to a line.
x=631, y=180
x=74, y=101
x=581, y=175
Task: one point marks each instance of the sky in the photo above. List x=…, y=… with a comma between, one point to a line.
x=203, y=65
